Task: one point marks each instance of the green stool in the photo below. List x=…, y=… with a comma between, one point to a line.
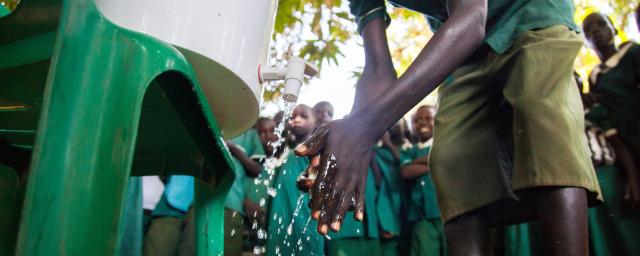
x=84, y=105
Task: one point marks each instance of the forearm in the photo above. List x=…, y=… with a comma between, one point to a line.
x=378, y=73
x=251, y=167
x=422, y=160
x=413, y=171
x=454, y=42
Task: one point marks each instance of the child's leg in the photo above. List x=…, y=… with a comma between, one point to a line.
x=563, y=214
x=469, y=234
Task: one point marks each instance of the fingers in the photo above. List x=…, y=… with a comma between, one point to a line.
x=344, y=205
x=359, y=200
x=326, y=214
x=324, y=179
x=314, y=144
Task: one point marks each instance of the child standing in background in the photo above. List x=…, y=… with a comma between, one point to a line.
x=244, y=149
x=614, y=226
x=291, y=230
x=256, y=198
x=392, y=189
x=616, y=79
x=428, y=236
x=323, y=112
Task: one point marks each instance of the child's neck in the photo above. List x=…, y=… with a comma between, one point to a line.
x=605, y=53
x=423, y=140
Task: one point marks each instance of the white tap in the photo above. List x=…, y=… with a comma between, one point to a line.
x=293, y=75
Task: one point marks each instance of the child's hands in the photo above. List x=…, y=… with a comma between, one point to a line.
x=341, y=157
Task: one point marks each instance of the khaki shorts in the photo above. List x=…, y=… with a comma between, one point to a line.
x=511, y=121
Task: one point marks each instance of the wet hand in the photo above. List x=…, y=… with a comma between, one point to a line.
x=340, y=154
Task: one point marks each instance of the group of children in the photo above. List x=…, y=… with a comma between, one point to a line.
x=267, y=214
x=402, y=213
x=612, y=129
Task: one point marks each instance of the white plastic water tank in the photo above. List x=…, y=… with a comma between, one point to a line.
x=224, y=40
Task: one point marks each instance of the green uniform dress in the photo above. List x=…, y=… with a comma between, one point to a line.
x=391, y=193
x=618, y=80
x=291, y=229
x=427, y=230
x=249, y=142
x=355, y=237
x=518, y=117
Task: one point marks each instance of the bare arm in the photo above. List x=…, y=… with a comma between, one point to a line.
x=413, y=170
x=252, y=169
x=344, y=153
x=439, y=58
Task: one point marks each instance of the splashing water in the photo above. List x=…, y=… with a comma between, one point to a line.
x=270, y=165
x=257, y=250
x=262, y=234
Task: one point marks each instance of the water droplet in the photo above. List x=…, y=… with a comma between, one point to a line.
x=262, y=202
x=290, y=229
x=258, y=250
x=233, y=232
x=262, y=234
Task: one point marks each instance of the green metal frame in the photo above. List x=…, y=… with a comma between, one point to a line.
x=96, y=103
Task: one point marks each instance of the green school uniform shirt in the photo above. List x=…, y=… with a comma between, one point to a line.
x=391, y=192
x=368, y=228
x=290, y=208
x=423, y=203
x=618, y=80
x=506, y=19
x=250, y=143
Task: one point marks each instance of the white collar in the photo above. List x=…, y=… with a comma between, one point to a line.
x=611, y=63
x=422, y=145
